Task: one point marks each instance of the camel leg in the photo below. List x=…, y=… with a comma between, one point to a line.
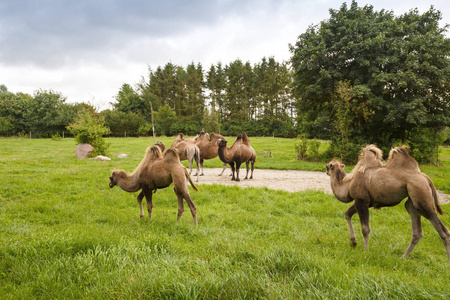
x=201, y=166
x=416, y=225
x=238, y=165
x=139, y=200
x=363, y=213
x=253, y=167
x=441, y=229
x=191, y=161
x=223, y=169
x=148, y=196
x=232, y=171
x=247, y=167
x=198, y=167
x=348, y=216
x=180, y=204
x=185, y=195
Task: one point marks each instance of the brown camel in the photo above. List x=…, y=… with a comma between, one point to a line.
x=239, y=152
x=208, y=148
x=157, y=171
x=374, y=184
x=188, y=150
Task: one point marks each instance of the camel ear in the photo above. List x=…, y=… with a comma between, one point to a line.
x=342, y=166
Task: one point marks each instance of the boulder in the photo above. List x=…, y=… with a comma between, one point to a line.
x=123, y=155
x=83, y=151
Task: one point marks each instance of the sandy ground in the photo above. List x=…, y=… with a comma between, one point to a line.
x=291, y=181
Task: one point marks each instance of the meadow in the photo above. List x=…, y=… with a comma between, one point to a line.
x=65, y=234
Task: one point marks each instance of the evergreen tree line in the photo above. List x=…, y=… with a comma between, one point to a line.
x=225, y=99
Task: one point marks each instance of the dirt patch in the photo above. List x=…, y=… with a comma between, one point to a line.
x=290, y=181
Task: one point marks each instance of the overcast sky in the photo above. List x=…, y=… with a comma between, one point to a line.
x=86, y=49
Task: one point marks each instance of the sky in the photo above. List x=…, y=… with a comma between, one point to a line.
x=87, y=49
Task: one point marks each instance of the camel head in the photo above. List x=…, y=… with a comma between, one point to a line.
x=221, y=142
x=113, y=179
x=334, y=167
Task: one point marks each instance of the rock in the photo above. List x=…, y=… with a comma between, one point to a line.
x=123, y=155
x=102, y=158
x=83, y=151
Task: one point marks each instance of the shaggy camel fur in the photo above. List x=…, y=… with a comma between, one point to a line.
x=240, y=152
x=187, y=150
x=374, y=184
x=157, y=171
x=208, y=148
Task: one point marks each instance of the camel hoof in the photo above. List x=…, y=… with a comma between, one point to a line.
x=141, y=216
x=238, y=179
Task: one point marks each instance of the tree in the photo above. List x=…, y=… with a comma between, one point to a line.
x=164, y=118
x=129, y=101
x=400, y=64
x=47, y=113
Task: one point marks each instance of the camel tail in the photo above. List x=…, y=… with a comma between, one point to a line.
x=186, y=173
x=435, y=197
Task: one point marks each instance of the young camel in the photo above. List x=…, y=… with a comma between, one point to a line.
x=188, y=150
x=157, y=171
x=374, y=184
x=239, y=152
x=208, y=148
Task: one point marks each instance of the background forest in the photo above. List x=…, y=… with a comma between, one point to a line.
x=361, y=76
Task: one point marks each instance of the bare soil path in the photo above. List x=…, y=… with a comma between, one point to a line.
x=290, y=181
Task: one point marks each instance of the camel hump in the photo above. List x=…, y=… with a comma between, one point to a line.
x=171, y=154
x=400, y=158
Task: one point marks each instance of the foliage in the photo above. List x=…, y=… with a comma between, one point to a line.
x=89, y=128
x=164, y=118
x=123, y=123
x=129, y=101
x=301, y=145
x=395, y=69
x=67, y=235
x=424, y=144
x=45, y=113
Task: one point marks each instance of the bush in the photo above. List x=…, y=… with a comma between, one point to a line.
x=89, y=128
x=301, y=147
x=424, y=144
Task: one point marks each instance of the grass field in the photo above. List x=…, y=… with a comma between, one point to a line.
x=65, y=234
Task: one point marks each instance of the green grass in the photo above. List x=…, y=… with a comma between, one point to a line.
x=65, y=234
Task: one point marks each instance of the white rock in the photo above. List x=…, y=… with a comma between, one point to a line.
x=123, y=155
x=102, y=158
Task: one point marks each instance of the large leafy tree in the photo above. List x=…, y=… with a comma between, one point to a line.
x=397, y=67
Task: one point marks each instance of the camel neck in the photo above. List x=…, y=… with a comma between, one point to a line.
x=340, y=188
x=223, y=154
x=130, y=182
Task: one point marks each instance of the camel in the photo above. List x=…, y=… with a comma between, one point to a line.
x=375, y=184
x=157, y=171
x=208, y=148
x=240, y=152
x=187, y=150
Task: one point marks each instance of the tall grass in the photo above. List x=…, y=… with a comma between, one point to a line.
x=65, y=234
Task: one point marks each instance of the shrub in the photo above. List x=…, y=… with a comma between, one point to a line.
x=89, y=128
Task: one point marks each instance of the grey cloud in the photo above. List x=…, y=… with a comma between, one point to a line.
x=50, y=33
